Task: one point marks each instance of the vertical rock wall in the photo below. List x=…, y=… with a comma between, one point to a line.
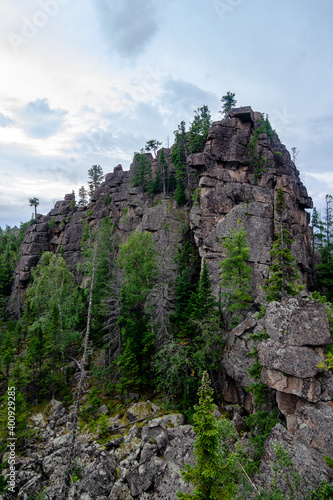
x=231, y=188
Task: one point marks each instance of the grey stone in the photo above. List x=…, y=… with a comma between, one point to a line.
x=296, y=361
x=298, y=322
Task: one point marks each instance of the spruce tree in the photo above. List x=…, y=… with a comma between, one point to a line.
x=137, y=260
x=283, y=275
x=219, y=469
x=236, y=274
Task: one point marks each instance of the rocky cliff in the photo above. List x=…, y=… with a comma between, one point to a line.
x=231, y=187
x=234, y=182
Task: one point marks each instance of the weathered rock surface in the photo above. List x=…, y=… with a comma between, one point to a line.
x=144, y=464
x=231, y=189
x=298, y=322
x=307, y=461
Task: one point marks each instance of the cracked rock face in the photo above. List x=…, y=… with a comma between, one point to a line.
x=144, y=464
x=231, y=189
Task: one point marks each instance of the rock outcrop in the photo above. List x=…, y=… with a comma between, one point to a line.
x=297, y=330
x=144, y=463
x=232, y=187
x=139, y=462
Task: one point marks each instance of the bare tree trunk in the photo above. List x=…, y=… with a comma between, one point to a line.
x=82, y=375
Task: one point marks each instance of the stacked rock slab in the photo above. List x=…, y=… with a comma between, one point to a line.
x=231, y=188
x=297, y=330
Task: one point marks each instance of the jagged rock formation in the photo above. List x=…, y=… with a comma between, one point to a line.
x=141, y=462
x=232, y=188
x=297, y=331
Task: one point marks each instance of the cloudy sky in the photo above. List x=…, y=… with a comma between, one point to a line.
x=89, y=82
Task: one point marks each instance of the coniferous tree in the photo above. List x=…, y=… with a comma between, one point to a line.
x=199, y=129
x=284, y=277
x=142, y=172
x=152, y=145
x=228, y=102
x=96, y=176
x=179, y=159
x=83, y=196
x=219, y=469
x=236, y=275
x=164, y=168
x=137, y=260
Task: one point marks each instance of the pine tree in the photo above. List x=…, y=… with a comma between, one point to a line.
x=83, y=196
x=96, y=176
x=152, y=145
x=34, y=202
x=284, y=278
x=236, y=274
x=164, y=168
x=228, y=102
x=199, y=129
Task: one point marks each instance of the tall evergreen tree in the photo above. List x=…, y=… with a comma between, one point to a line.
x=137, y=260
x=284, y=278
x=236, y=275
x=199, y=129
x=96, y=176
x=179, y=159
x=152, y=145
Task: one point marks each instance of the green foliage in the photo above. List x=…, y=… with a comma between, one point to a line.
x=179, y=160
x=96, y=176
x=323, y=492
x=286, y=481
x=152, y=145
x=196, y=197
x=195, y=343
x=52, y=224
x=322, y=240
x=54, y=312
x=199, y=129
x=34, y=202
x=236, y=275
x=107, y=199
x=142, y=172
x=263, y=126
x=283, y=278
x=264, y=418
x=220, y=466
x=10, y=240
x=137, y=260
x=228, y=102
x=93, y=403
x=83, y=196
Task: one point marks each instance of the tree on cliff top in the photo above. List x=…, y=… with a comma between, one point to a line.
x=34, y=202
x=228, y=102
x=96, y=175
